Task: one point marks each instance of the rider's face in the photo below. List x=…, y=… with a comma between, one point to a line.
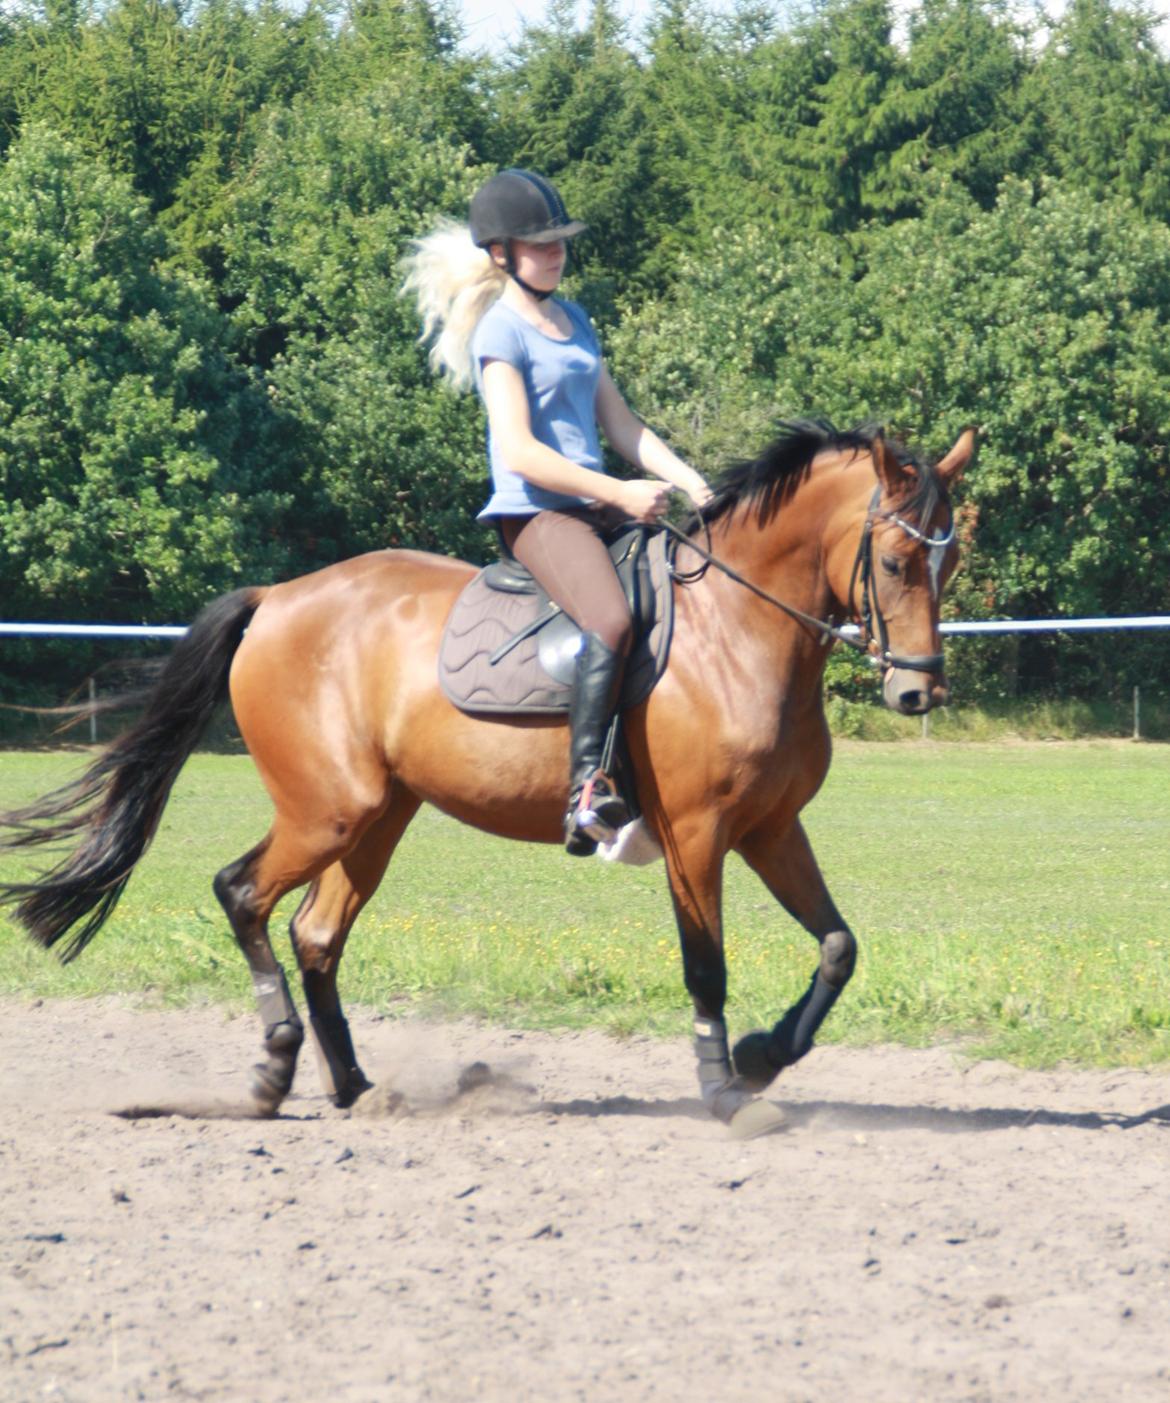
x=539, y=265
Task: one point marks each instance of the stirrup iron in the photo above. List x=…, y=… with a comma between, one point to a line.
x=600, y=811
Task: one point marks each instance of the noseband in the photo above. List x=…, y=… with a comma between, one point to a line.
x=870, y=610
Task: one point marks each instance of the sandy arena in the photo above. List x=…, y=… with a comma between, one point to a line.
x=569, y=1223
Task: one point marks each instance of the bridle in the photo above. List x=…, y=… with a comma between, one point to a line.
x=869, y=610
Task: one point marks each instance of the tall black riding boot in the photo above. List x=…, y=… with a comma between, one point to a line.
x=596, y=810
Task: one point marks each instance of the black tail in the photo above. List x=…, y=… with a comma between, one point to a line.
x=116, y=804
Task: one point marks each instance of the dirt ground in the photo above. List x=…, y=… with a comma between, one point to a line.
x=572, y=1227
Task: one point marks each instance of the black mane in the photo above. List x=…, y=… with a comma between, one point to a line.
x=766, y=482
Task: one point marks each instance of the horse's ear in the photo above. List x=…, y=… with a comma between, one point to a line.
x=957, y=459
x=890, y=473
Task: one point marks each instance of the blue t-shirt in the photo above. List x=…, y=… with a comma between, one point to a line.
x=561, y=378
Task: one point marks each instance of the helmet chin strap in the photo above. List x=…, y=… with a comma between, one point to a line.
x=537, y=292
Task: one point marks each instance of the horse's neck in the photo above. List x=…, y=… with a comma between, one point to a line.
x=786, y=557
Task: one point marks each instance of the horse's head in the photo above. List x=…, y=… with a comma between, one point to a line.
x=907, y=552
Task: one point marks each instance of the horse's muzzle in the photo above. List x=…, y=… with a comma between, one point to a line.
x=912, y=693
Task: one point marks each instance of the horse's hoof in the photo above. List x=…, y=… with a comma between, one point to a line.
x=265, y=1092
x=755, y=1118
x=752, y=1063
x=356, y=1086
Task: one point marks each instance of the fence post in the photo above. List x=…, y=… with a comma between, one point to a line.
x=1137, y=713
x=92, y=715
x=926, y=725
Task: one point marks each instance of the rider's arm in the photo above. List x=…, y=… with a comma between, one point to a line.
x=506, y=400
x=640, y=445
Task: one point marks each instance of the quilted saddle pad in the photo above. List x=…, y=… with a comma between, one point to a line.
x=533, y=675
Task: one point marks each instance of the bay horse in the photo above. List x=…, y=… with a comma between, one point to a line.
x=334, y=685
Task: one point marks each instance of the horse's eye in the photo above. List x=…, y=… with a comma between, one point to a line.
x=891, y=565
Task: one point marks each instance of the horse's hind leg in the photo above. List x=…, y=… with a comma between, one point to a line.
x=319, y=931
x=248, y=889
x=789, y=870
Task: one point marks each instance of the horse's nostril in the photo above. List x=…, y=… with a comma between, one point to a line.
x=910, y=692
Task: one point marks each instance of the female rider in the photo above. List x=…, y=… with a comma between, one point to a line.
x=487, y=293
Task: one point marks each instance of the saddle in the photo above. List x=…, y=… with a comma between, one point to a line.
x=507, y=648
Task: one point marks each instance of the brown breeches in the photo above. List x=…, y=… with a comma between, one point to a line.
x=564, y=551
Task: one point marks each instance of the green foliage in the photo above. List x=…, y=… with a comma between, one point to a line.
x=316, y=229
x=207, y=375
x=118, y=405
x=959, y=91
x=416, y=43
x=153, y=89
x=572, y=106
x=850, y=153
x=1044, y=320
x=1101, y=94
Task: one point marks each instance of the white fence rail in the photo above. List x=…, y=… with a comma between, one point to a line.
x=955, y=627
x=977, y=626
x=94, y=630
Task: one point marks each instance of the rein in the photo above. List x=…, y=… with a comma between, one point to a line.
x=863, y=570
x=826, y=630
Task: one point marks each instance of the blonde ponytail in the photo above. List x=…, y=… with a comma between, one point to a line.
x=454, y=283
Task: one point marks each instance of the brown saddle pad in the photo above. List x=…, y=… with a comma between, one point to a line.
x=484, y=619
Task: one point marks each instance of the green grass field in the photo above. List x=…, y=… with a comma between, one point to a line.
x=1013, y=896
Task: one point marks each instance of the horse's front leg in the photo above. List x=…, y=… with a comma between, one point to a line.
x=695, y=870
x=785, y=862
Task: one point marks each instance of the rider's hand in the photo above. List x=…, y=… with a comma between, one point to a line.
x=644, y=499
x=701, y=495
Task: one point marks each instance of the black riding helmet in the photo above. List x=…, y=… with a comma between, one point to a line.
x=519, y=204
